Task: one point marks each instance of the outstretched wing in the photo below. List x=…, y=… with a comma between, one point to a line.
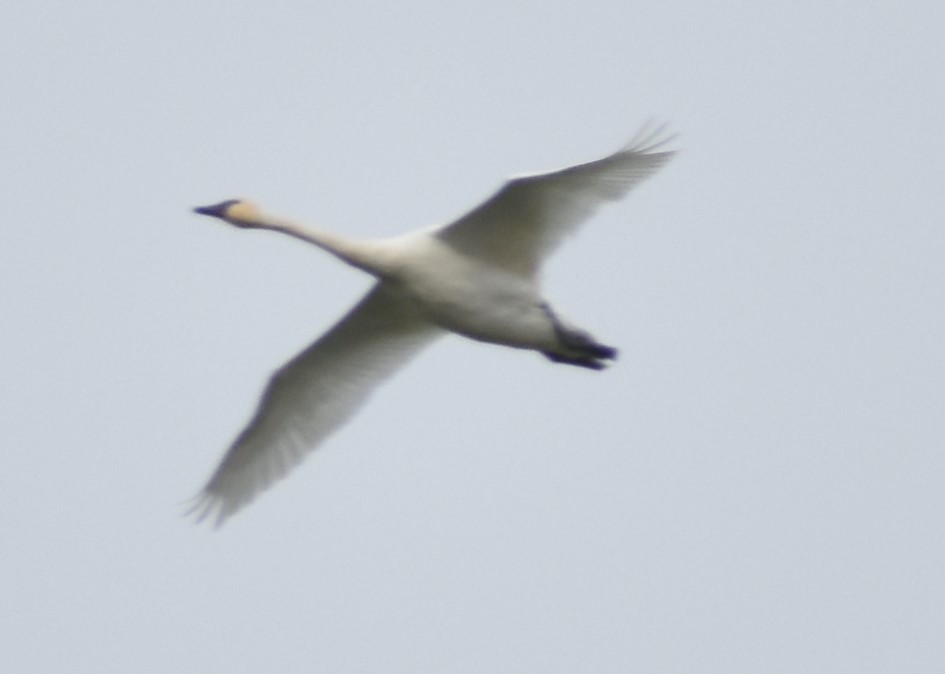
x=522, y=223
x=312, y=396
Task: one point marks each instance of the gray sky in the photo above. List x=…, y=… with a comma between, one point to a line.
x=756, y=486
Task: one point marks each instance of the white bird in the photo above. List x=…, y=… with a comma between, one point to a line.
x=477, y=277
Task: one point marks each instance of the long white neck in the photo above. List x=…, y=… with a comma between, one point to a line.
x=367, y=255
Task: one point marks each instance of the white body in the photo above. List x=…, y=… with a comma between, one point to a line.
x=461, y=294
x=476, y=277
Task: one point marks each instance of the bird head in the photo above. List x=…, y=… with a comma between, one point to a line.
x=235, y=211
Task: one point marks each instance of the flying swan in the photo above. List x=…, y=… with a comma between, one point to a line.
x=477, y=277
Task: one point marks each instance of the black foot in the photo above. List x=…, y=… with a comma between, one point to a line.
x=584, y=350
x=581, y=361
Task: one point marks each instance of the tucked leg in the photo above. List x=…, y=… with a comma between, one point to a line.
x=578, y=346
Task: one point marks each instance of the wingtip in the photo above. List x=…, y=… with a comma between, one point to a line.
x=205, y=507
x=650, y=137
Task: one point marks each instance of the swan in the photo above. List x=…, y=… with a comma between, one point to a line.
x=477, y=276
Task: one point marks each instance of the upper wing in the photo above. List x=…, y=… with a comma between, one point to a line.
x=312, y=395
x=522, y=223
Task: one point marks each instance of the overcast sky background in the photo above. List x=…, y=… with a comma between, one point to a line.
x=755, y=486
